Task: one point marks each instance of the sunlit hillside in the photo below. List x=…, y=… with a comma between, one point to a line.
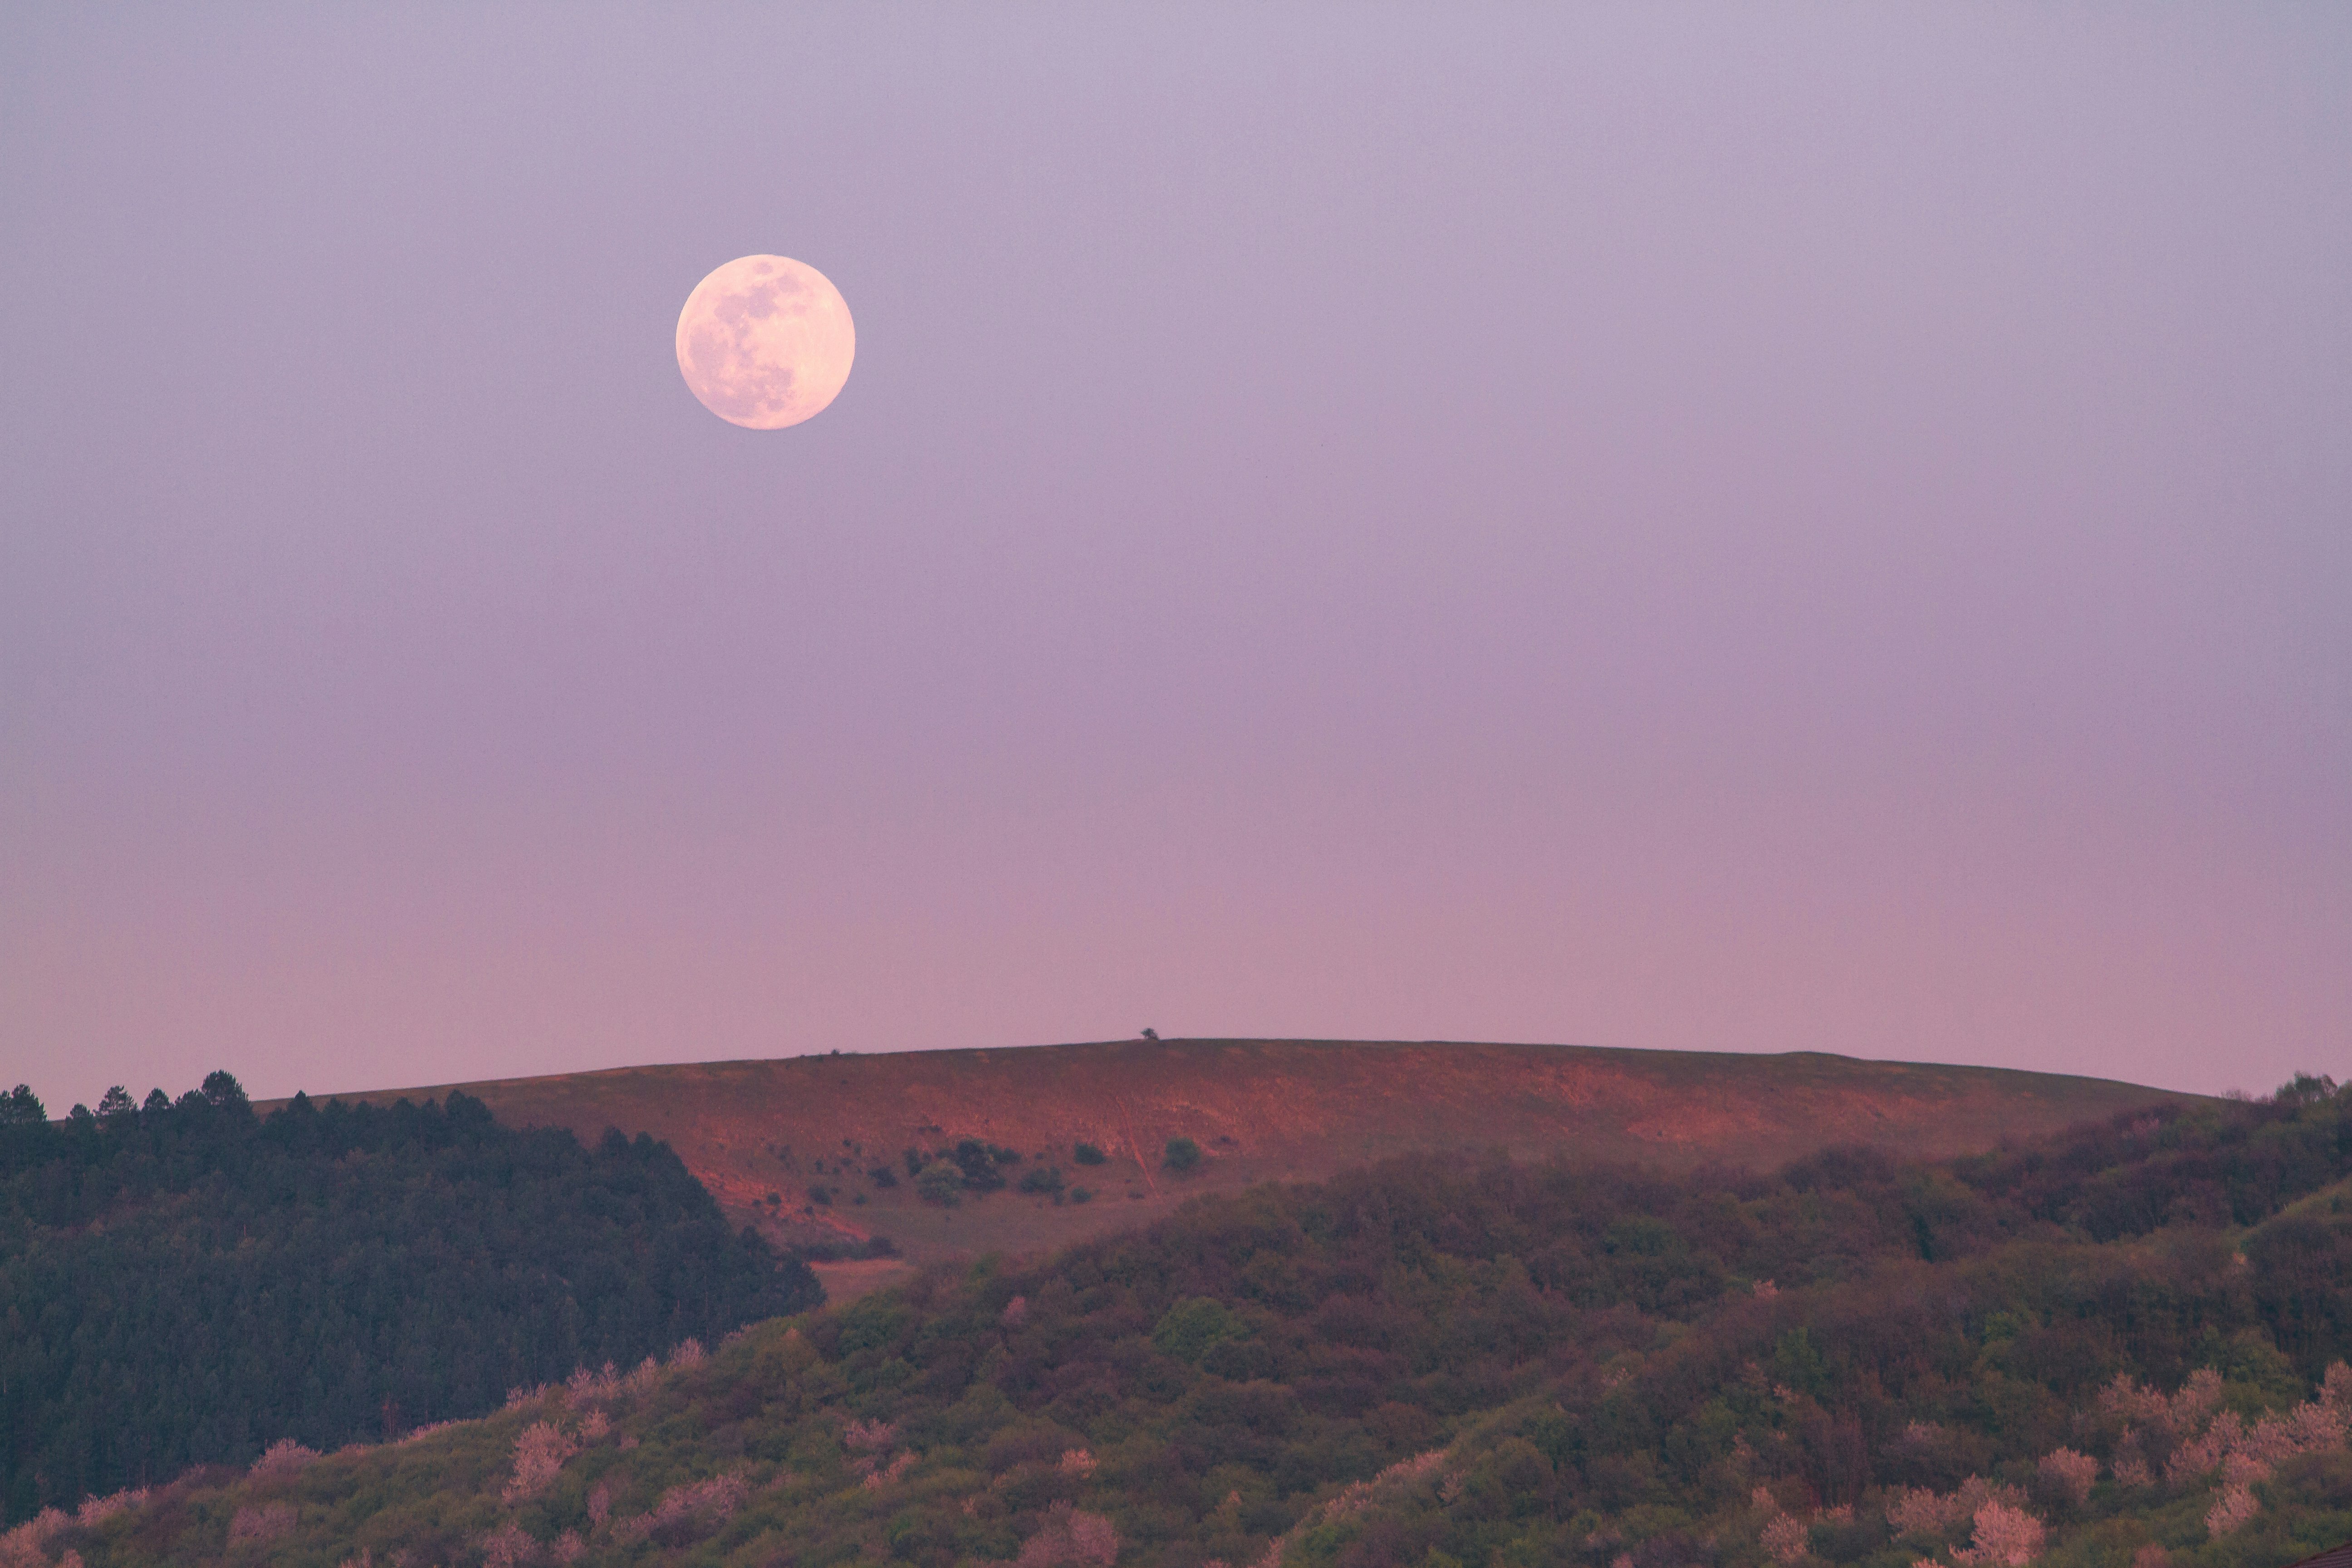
x=813, y=1131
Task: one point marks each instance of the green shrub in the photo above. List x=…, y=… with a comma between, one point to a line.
x=978, y=1162
x=1188, y=1329
x=941, y=1182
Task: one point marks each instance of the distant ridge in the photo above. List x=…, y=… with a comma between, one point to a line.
x=1260, y=1109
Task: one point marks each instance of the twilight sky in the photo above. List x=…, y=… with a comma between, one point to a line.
x=1720, y=527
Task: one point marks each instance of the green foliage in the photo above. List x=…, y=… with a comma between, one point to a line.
x=833, y=1249
x=1188, y=1329
x=941, y=1182
x=2248, y=1360
x=1181, y=1155
x=1797, y=1365
x=1438, y=1363
x=1088, y=1154
x=181, y=1283
x=978, y=1162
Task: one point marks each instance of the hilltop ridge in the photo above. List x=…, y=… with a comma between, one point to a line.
x=1259, y=1110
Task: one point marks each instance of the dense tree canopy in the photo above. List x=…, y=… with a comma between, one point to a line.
x=185, y=1283
x=2116, y=1348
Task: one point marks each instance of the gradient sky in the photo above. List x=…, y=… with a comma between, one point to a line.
x=1726, y=527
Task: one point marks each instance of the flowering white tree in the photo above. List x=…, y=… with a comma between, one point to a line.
x=258, y=1526
x=2006, y=1537
x=2068, y=1475
x=870, y=1436
x=1918, y=1511
x=688, y=1511
x=1071, y=1538
x=539, y=1454
x=2231, y=1509
x=509, y=1546
x=284, y=1457
x=1785, y=1539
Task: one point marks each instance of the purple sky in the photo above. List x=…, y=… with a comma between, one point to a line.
x=1743, y=528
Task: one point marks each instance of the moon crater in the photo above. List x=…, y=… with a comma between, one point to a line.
x=765, y=341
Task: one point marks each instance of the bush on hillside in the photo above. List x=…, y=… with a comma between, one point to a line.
x=940, y=1181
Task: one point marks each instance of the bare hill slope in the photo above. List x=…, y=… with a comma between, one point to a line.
x=1259, y=1110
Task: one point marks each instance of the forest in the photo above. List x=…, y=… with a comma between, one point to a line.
x=2119, y=1347
x=186, y=1283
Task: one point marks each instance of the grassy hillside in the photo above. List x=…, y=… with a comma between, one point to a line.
x=1260, y=1110
x=2118, y=1348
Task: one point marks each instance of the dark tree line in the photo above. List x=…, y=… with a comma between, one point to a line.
x=184, y=1282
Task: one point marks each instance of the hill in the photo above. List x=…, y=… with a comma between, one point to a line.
x=2119, y=1346
x=184, y=1283
x=1258, y=1110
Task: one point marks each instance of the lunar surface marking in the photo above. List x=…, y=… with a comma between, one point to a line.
x=765, y=341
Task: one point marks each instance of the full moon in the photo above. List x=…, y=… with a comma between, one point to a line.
x=765, y=341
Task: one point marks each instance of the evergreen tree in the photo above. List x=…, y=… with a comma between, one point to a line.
x=184, y=1283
